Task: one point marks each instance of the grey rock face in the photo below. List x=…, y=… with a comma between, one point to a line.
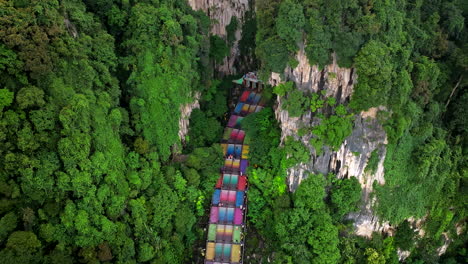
x=221, y=12
x=185, y=112
x=351, y=158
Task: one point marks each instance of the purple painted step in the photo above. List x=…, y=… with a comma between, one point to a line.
x=243, y=166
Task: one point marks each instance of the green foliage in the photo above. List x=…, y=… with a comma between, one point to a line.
x=316, y=103
x=331, y=101
x=247, y=43
x=275, y=53
x=262, y=127
x=345, y=195
x=283, y=88
x=219, y=50
x=458, y=115
x=303, y=233
x=290, y=22
x=266, y=185
x=375, y=76
x=154, y=103
x=433, y=164
x=204, y=130
x=425, y=79
x=355, y=249
x=29, y=97
x=6, y=98
x=346, y=45
x=319, y=39
x=333, y=130
x=23, y=241
x=373, y=257
x=296, y=152
x=8, y=223
x=373, y=162
x=404, y=237
x=145, y=252
x=87, y=127
x=311, y=193
x=295, y=103
x=454, y=18
x=293, y=63
x=90, y=97
x=214, y=101
x=231, y=29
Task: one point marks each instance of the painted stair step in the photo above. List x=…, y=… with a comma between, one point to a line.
x=244, y=96
x=238, y=108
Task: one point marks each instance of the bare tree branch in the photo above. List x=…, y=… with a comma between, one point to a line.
x=453, y=91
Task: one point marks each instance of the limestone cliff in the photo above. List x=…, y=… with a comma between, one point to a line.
x=221, y=12
x=351, y=158
x=185, y=112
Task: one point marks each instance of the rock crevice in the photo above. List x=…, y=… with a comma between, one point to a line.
x=185, y=112
x=221, y=12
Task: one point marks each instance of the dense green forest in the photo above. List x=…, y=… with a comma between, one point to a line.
x=92, y=168
x=89, y=118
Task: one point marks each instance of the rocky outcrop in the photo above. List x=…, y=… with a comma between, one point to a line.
x=351, y=158
x=221, y=12
x=336, y=81
x=185, y=112
x=403, y=254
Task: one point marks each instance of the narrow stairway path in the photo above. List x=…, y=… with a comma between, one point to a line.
x=226, y=229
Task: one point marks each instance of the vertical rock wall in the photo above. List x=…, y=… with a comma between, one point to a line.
x=351, y=158
x=185, y=112
x=336, y=81
x=221, y=12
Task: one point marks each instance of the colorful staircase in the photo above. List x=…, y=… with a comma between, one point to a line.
x=226, y=229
